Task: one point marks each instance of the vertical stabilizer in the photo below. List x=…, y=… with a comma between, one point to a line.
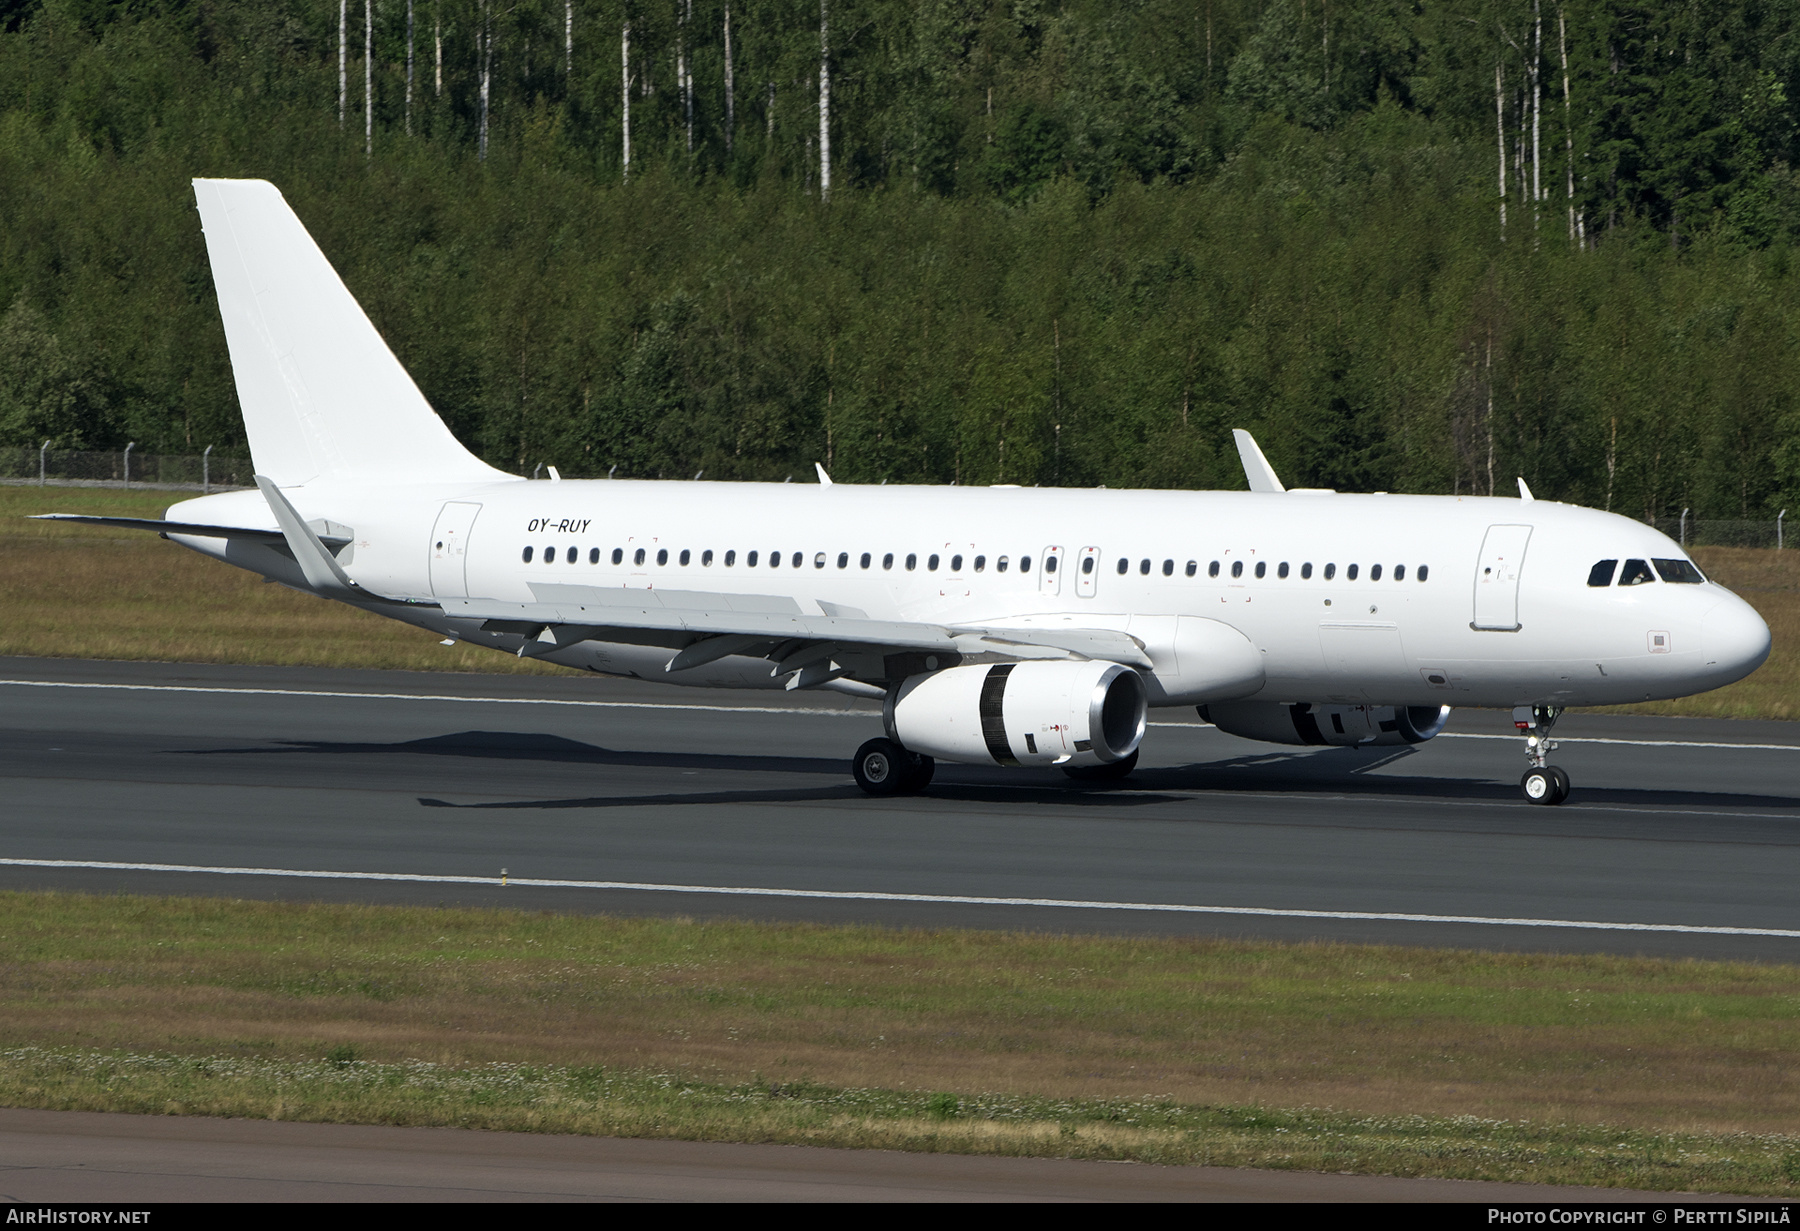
x=323, y=396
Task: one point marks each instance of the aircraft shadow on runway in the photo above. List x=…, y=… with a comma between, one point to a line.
x=1328, y=771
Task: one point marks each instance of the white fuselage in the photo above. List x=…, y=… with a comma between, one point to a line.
x=1334, y=634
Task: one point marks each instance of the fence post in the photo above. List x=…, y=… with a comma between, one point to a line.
x=206, y=471
x=128, y=449
x=1684, y=514
x=42, y=450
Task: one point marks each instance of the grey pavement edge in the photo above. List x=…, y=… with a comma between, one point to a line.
x=73, y=1156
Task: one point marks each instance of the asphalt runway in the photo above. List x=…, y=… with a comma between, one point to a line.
x=1682, y=837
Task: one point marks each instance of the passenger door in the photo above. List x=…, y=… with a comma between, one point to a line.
x=450, y=550
x=1050, y=571
x=1497, y=578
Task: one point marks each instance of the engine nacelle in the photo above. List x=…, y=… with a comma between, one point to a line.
x=1347, y=726
x=1024, y=713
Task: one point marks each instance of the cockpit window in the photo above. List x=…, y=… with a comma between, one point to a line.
x=1681, y=572
x=1602, y=573
x=1635, y=573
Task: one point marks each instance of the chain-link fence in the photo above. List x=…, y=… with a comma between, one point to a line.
x=1725, y=532
x=200, y=472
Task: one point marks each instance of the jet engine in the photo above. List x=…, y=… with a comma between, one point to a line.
x=1347, y=726
x=1023, y=713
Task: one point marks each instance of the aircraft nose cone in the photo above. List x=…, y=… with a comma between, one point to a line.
x=1734, y=639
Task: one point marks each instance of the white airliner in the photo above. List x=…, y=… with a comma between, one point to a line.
x=998, y=625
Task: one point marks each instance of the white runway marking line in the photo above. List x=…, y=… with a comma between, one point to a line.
x=751, y=709
x=946, y=899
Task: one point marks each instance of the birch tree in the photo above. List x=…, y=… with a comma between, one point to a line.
x=625, y=98
x=409, y=65
x=343, y=78
x=1577, y=224
x=730, y=96
x=437, y=38
x=1500, y=136
x=486, y=39
x=568, y=39
x=368, y=78
x=824, y=100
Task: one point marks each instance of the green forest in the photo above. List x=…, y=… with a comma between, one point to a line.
x=1412, y=246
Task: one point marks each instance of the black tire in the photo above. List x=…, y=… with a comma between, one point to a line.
x=1112, y=771
x=1539, y=787
x=880, y=767
x=1562, y=784
x=918, y=771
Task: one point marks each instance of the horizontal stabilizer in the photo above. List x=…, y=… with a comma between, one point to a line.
x=194, y=528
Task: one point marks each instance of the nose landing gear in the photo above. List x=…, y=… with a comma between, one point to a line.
x=1543, y=783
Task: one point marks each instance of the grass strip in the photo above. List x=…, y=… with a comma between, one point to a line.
x=601, y=1101
x=1585, y=1069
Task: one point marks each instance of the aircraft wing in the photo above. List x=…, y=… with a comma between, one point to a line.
x=699, y=627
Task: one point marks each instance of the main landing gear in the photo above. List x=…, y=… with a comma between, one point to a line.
x=883, y=767
x=1543, y=783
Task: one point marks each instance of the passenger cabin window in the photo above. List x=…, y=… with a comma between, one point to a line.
x=1143, y=568
x=1168, y=568
x=1330, y=571
x=638, y=556
x=594, y=556
x=1000, y=565
x=956, y=564
x=1212, y=570
x=618, y=556
x=1262, y=569
x=844, y=560
x=662, y=557
x=980, y=563
x=912, y=561
x=1049, y=564
x=706, y=558
x=685, y=557
x=865, y=560
x=932, y=563
x=1124, y=565
x=1602, y=573
x=774, y=559
x=1679, y=572
x=1636, y=573
x=1399, y=572
x=1193, y=566
x=796, y=560
x=1350, y=572
x=1306, y=571
x=1281, y=570
x=818, y=560
x=573, y=553
x=1237, y=568
x=887, y=561
x=549, y=555
x=750, y=559
x=1374, y=572
x=1024, y=564
x=730, y=558
x=1424, y=571
x=526, y=555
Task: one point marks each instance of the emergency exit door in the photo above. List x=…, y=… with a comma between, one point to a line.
x=1497, y=578
x=450, y=550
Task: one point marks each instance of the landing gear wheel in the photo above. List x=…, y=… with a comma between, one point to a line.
x=1112, y=771
x=1548, y=786
x=882, y=767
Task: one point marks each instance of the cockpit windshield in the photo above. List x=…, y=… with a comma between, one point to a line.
x=1602, y=573
x=1636, y=573
x=1681, y=572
